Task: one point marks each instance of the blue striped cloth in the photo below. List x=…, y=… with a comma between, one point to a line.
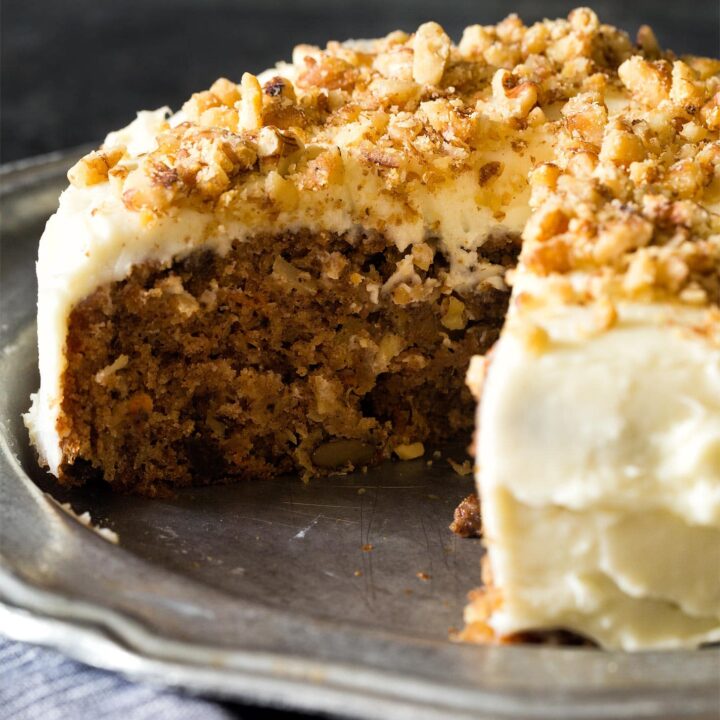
x=41, y=684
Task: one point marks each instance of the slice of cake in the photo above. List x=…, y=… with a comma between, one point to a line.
x=292, y=274
x=598, y=443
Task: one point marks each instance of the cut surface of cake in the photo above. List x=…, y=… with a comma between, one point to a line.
x=293, y=273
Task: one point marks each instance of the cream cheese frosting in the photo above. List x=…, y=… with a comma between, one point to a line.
x=599, y=472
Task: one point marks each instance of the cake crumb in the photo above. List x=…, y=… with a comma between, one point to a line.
x=467, y=520
x=85, y=519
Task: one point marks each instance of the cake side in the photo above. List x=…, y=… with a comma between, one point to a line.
x=599, y=414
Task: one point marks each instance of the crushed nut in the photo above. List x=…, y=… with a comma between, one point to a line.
x=648, y=82
x=648, y=42
x=621, y=146
x=94, y=167
x=686, y=90
x=475, y=41
x=512, y=100
x=225, y=91
x=422, y=255
x=431, y=51
x=410, y=451
x=250, y=103
x=455, y=316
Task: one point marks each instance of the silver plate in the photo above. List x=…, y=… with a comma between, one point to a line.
x=269, y=591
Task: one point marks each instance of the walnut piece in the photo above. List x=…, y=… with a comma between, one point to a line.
x=250, y=103
x=432, y=48
x=510, y=99
x=95, y=166
x=409, y=451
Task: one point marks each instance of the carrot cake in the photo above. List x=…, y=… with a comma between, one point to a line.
x=292, y=273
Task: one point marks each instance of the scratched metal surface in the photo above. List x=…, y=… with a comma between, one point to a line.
x=334, y=596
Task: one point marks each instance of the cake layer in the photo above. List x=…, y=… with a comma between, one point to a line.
x=600, y=475
x=98, y=236
x=282, y=355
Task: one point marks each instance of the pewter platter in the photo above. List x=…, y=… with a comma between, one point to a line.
x=334, y=596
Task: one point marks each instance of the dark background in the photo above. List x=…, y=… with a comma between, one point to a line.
x=72, y=70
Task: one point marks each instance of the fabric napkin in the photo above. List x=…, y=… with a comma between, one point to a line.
x=41, y=684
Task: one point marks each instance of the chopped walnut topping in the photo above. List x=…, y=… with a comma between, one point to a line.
x=620, y=145
x=279, y=87
x=512, y=100
x=332, y=73
x=225, y=91
x=586, y=117
x=685, y=89
x=432, y=49
x=324, y=170
x=584, y=21
x=648, y=42
x=710, y=113
x=648, y=81
x=548, y=221
x=475, y=41
x=271, y=142
x=94, y=167
x=250, y=103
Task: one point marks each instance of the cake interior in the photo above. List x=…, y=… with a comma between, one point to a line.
x=302, y=351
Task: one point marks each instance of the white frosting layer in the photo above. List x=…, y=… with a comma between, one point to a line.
x=93, y=239
x=600, y=477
